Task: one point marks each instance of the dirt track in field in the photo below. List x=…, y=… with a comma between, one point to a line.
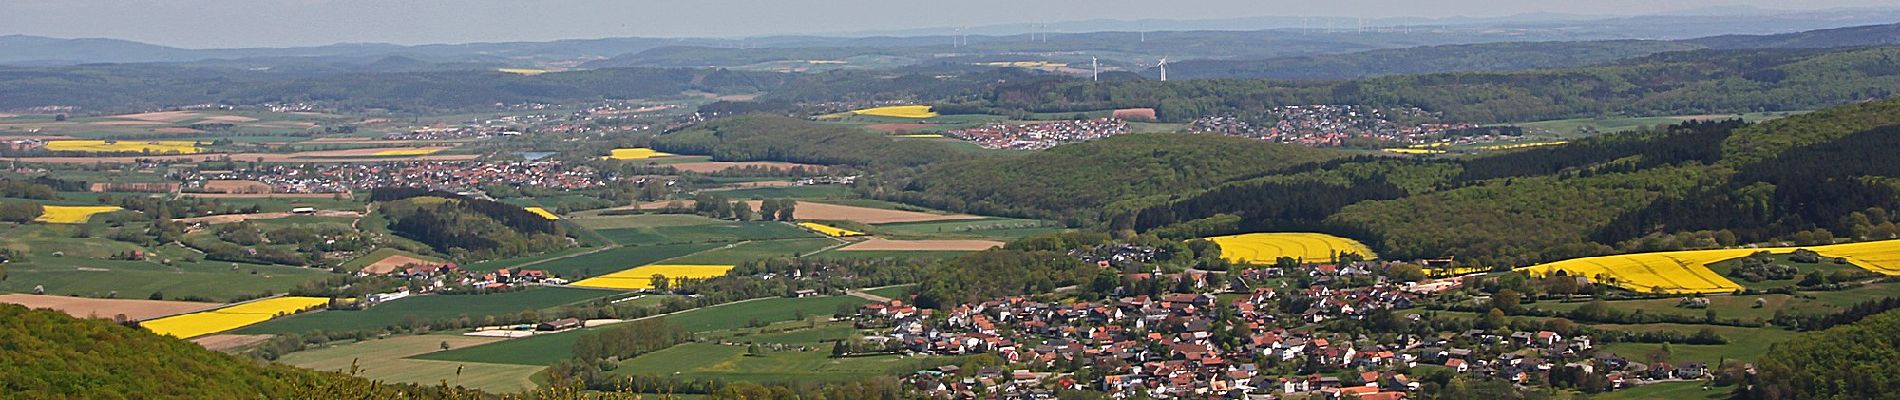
x=227, y=341
x=134, y=309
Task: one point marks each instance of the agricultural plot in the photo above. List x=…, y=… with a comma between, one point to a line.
x=800, y=355
x=910, y=111
x=550, y=348
x=132, y=146
x=881, y=244
x=876, y=254
x=385, y=260
x=637, y=153
x=82, y=307
x=1744, y=307
x=1746, y=344
x=1676, y=272
x=1004, y=229
x=723, y=232
x=1265, y=248
x=423, y=151
x=756, y=250
x=640, y=221
x=829, y=230
x=543, y=212
x=138, y=279
x=388, y=360
x=233, y=317
x=428, y=308
x=788, y=192
x=1685, y=272
x=72, y=214
x=614, y=259
x=642, y=277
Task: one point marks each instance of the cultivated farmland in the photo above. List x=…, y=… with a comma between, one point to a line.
x=911, y=111
x=1684, y=272
x=638, y=153
x=387, y=360
x=829, y=230
x=72, y=214
x=233, y=317
x=543, y=212
x=113, y=146
x=1265, y=248
x=132, y=309
x=429, y=308
x=642, y=277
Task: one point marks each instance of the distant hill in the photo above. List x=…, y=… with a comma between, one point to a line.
x=1859, y=36
x=1509, y=56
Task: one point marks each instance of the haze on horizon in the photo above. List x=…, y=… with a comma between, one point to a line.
x=283, y=23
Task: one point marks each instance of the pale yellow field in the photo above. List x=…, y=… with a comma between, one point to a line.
x=1414, y=151
x=637, y=153
x=1511, y=146
x=828, y=230
x=72, y=214
x=233, y=317
x=642, y=277
x=918, y=112
x=1265, y=248
x=523, y=71
x=102, y=146
x=543, y=212
x=409, y=152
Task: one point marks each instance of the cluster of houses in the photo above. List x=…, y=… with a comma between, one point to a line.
x=444, y=275
x=1231, y=345
x=1042, y=135
x=449, y=176
x=1334, y=125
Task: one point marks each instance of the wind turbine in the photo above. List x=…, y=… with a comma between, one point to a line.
x=1164, y=68
x=1096, y=65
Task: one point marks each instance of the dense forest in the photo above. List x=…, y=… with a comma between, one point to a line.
x=1673, y=83
x=124, y=87
x=1075, y=182
x=1852, y=361
x=1506, y=56
x=778, y=138
x=464, y=227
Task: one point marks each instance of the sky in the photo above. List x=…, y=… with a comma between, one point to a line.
x=279, y=23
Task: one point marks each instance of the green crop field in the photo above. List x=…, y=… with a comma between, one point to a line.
x=800, y=354
x=384, y=359
x=710, y=233
x=894, y=291
x=988, y=228
x=379, y=254
x=755, y=250
x=861, y=254
x=790, y=192
x=549, y=348
x=429, y=308
x=1743, y=343
x=615, y=259
x=1575, y=127
x=491, y=265
x=66, y=265
x=643, y=221
x=1744, y=306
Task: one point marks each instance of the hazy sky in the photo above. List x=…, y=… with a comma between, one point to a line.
x=248, y=23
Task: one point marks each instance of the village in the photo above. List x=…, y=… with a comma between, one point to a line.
x=1198, y=334
x=1041, y=135
x=439, y=175
x=1341, y=125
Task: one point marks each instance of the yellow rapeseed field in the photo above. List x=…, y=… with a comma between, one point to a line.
x=1685, y=272
x=103, y=146
x=831, y=231
x=523, y=71
x=638, y=153
x=543, y=212
x=409, y=152
x=918, y=112
x=1882, y=256
x=72, y=214
x=1414, y=151
x=1511, y=146
x=1671, y=272
x=642, y=277
x=233, y=317
x=1265, y=248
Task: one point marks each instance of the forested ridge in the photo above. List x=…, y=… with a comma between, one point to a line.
x=1077, y=181
x=464, y=227
x=1805, y=179
x=1671, y=83
x=777, y=138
